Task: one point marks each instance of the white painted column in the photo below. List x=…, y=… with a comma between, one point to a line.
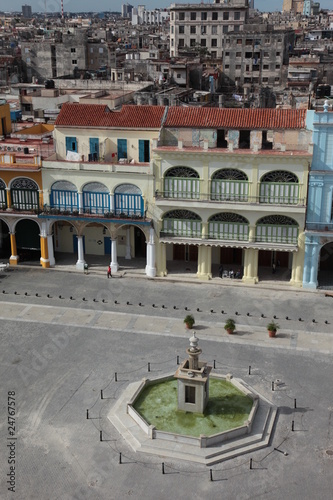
x=128, y=244
x=80, y=199
x=111, y=202
x=50, y=250
x=114, y=257
x=151, y=257
x=80, y=254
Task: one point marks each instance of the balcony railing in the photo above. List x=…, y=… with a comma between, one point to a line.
x=230, y=198
x=319, y=226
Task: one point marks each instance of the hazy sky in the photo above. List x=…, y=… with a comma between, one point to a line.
x=100, y=5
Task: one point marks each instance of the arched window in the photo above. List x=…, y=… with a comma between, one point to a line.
x=64, y=196
x=279, y=186
x=277, y=229
x=182, y=182
x=24, y=193
x=228, y=226
x=229, y=184
x=128, y=200
x=96, y=198
x=181, y=223
x=3, y=195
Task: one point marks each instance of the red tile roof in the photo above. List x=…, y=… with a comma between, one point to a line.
x=130, y=116
x=228, y=118
x=99, y=115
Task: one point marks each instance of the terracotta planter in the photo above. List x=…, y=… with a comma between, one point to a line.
x=271, y=333
x=188, y=326
x=230, y=331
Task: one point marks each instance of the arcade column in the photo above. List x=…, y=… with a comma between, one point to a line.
x=14, y=258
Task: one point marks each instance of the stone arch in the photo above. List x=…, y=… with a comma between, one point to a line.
x=64, y=196
x=277, y=219
x=326, y=257
x=96, y=198
x=279, y=186
x=64, y=185
x=277, y=229
x=24, y=193
x=230, y=174
x=229, y=184
x=24, y=183
x=182, y=172
x=181, y=182
x=127, y=188
x=228, y=226
x=279, y=176
x=128, y=200
x=181, y=223
x=27, y=234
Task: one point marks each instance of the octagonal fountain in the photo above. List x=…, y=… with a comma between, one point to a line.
x=182, y=415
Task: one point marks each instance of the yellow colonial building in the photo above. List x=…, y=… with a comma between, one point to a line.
x=98, y=185
x=230, y=192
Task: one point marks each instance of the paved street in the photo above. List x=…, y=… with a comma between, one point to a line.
x=59, y=351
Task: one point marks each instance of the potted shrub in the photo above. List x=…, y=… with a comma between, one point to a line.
x=272, y=328
x=189, y=321
x=230, y=325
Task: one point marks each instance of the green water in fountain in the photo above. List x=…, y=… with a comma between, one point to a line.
x=227, y=408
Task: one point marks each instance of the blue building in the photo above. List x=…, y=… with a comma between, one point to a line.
x=318, y=262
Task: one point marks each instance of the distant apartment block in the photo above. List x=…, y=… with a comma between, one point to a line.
x=205, y=25
x=142, y=16
x=26, y=11
x=254, y=59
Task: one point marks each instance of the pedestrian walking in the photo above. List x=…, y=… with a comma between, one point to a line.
x=109, y=272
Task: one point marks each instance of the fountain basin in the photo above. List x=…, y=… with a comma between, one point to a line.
x=229, y=414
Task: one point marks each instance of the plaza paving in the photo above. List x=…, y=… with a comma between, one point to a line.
x=59, y=351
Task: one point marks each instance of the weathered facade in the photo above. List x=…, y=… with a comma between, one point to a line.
x=205, y=25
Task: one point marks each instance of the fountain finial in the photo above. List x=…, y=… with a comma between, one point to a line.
x=193, y=343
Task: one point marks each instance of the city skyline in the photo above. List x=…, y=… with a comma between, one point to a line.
x=106, y=5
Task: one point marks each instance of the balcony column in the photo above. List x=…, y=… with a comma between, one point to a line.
x=252, y=233
x=80, y=201
x=112, y=203
x=204, y=230
x=44, y=251
x=204, y=262
x=128, y=244
x=9, y=198
x=46, y=197
x=151, y=256
x=13, y=259
x=114, y=258
x=254, y=186
x=80, y=254
x=204, y=183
